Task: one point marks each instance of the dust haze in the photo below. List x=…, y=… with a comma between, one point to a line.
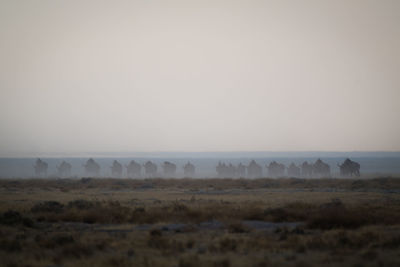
x=98, y=76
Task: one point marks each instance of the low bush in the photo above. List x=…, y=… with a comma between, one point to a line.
x=81, y=204
x=13, y=218
x=48, y=206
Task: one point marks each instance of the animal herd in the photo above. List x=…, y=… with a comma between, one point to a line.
x=275, y=169
x=133, y=169
x=252, y=170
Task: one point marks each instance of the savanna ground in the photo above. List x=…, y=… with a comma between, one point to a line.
x=200, y=222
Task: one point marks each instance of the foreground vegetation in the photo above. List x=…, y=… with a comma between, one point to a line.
x=200, y=222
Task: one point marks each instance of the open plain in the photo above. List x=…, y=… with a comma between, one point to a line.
x=200, y=222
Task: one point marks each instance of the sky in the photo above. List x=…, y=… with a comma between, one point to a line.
x=126, y=76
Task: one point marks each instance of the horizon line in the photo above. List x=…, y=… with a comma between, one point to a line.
x=155, y=153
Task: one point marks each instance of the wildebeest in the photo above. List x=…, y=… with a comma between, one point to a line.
x=349, y=167
x=64, y=169
x=92, y=168
x=40, y=168
x=241, y=170
x=116, y=169
x=221, y=170
x=150, y=169
x=276, y=169
x=133, y=169
x=293, y=170
x=230, y=170
x=306, y=169
x=254, y=170
x=169, y=169
x=188, y=170
x=321, y=169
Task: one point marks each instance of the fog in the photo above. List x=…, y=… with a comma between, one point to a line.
x=84, y=77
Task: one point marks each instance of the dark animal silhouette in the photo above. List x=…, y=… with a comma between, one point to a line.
x=169, y=169
x=226, y=170
x=40, y=168
x=92, y=168
x=64, y=169
x=150, y=169
x=276, y=169
x=321, y=169
x=116, y=169
x=221, y=170
x=349, y=168
x=306, y=169
x=254, y=170
x=188, y=170
x=134, y=169
x=241, y=170
x=293, y=170
x=230, y=170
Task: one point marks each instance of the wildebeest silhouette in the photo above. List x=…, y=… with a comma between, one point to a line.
x=241, y=170
x=116, y=169
x=276, y=169
x=306, y=169
x=221, y=169
x=92, y=168
x=349, y=168
x=254, y=170
x=133, y=169
x=40, y=168
x=64, y=169
x=188, y=170
x=150, y=169
x=293, y=170
x=169, y=169
x=225, y=170
x=321, y=169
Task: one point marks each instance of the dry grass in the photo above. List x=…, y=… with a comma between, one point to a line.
x=197, y=183
x=92, y=222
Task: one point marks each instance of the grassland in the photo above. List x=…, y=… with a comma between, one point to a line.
x=200, y=222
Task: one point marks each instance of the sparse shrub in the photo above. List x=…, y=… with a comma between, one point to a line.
x=57, y=240
x=155, y=232
x=179, y=207
x=392, y=243
x=277, y=214
x=130, y=253
x=253, y=213
x=48, y=206
x=86, y=180
x=10, y=218
x=139, y=210
x=80, y=204
x=191, y=261
x=10, y=245
x=117, y=261
x=369, y=255
x=158, y=242
x=222, y=263
x=62, y=239
x=238, y=228
x=15, y=218
x=190, y=243
x=264, y=263
x=228, y=244
x=297, y=231
x=76, y=250
x=291, y=212
x=335, y=215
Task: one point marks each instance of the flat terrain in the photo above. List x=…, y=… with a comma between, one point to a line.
x=200, y=222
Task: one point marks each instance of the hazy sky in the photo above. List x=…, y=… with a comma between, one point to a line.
x=95, y=76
